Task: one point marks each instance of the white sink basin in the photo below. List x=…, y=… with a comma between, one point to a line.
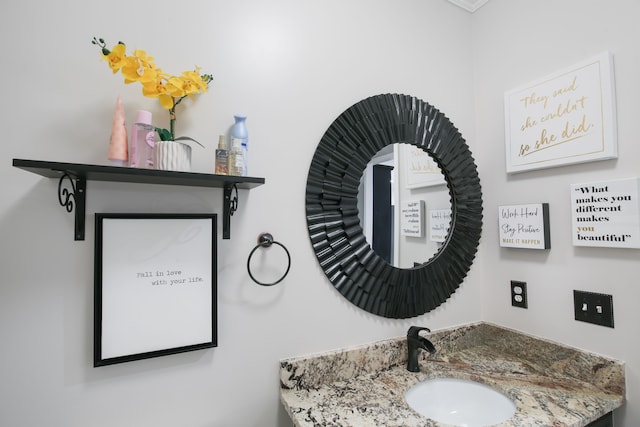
x=460, y=402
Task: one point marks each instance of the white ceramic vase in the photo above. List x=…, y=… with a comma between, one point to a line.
x=172, y=156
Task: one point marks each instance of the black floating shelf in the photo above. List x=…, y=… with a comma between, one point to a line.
x=78, y=174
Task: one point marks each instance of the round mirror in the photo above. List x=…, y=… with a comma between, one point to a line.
x=335, y=229
x=404, y=205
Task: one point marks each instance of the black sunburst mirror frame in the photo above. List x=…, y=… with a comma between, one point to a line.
x=338, y=241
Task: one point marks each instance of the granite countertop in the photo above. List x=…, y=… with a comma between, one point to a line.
x=551, y=384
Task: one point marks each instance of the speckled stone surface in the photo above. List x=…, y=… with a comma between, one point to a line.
x=552, y=385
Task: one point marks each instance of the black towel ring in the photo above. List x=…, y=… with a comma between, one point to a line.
x=265, y=240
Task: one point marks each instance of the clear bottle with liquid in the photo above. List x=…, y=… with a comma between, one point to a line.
x=237, y=165
x=222, y=157
x=240, y=134
x=143, y=141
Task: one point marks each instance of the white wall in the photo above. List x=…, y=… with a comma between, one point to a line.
x=516, y=42
x=292, y=67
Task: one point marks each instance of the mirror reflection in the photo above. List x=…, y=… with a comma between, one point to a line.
x=404, y=205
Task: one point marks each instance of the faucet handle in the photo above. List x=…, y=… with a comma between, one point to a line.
x=414, y=343
x=414, y=330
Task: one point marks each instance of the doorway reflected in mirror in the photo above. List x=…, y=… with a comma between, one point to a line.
x=403, y=204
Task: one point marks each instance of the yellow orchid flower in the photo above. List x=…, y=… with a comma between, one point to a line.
x=168, y=89
x=116, y=57
x=147, y=68
x=167, y=102
x=139, y=68
x=157, y=89
x=153, y=88
x=175, y=86
x=193, y=83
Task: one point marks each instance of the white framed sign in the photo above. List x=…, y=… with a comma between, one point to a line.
x=606, y=213
x=565, y=118
x=420, y=169
x=439, y=223
x=524, y=226
x=412, y=218
x=155, y=285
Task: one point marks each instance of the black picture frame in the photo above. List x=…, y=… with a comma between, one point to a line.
x=155, y=285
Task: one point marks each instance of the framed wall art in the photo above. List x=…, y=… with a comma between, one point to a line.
x=439, y=224
x=420, y=169
x=155, y=285
x=524, y=226
x=565, y=118
x=606, y=213
x=412, y=218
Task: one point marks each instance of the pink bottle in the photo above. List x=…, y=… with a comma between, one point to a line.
x=143, y=141
x=118, y=144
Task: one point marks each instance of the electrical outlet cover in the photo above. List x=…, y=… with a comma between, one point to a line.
x=519, y=294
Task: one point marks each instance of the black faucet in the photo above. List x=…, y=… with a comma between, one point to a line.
x=414, y=343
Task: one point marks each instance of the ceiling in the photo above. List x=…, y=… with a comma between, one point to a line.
x=470, y=5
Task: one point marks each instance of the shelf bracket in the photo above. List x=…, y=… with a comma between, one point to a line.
x=74, y=200
x=229, y=207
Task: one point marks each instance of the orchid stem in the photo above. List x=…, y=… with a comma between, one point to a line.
x=172, y=122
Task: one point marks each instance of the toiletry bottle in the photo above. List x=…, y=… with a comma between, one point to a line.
x=118, y=144
x=236, y=158
x=239, y=132
x=222, y=157
x=143, y=140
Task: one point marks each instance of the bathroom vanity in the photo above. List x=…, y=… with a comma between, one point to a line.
x=550, y=384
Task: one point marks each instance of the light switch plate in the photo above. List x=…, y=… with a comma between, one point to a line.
x=593, y=308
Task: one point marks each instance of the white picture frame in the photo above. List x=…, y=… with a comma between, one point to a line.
x=420, y=168
x=439, y=224
x=565, y=118
x=606, y=213
x=412, y=218
x=524, y=226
